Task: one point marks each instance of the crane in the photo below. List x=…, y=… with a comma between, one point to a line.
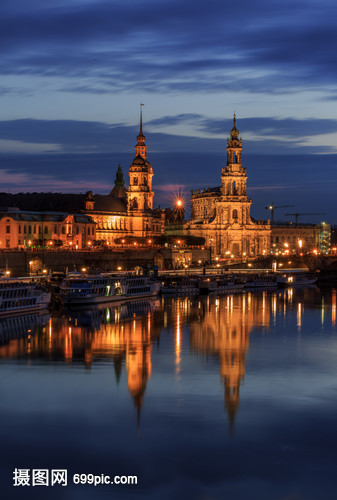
x=305, y=213
x=271, y=207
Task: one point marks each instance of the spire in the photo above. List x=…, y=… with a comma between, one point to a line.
x=119, y=189
x=119, y=181
x=140, y=147
x=234, y=131
x=141, y=119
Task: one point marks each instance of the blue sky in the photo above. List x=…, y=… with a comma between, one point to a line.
x=73, y=73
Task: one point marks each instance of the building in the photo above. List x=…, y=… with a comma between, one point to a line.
x=300, y=238
x=123, y=214
x=20, y=229
x=222, y=214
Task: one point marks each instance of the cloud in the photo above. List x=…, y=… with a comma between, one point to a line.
x=172, y=46
x=205, y=135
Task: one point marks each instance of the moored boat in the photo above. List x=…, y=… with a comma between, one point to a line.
x=22, y=296
x=261, y=281
x=180, y=285
x=296, y=279
x=96, y=289
x=220, y=284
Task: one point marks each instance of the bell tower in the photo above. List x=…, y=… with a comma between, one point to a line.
x=140, y=194
x=234, y=181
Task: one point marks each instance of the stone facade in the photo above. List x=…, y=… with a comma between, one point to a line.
x=128, y=212
x=222, y=215
x=300, y=238
x=20, y=229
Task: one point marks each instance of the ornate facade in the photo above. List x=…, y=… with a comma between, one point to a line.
x=128, y=212
x=121, y=214
x=222, y=215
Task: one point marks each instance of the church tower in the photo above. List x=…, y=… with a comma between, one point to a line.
x=140, y=194
x=234, y=180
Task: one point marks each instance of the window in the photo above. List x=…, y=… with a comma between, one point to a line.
x=63, y=230
x=19, y=228
x=235, y=214
x=45, y=230
x=135, y=181
x=8, y=229
x=24, y=229
x=29, y=229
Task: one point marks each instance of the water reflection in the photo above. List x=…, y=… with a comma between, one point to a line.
x=219, y=328
x=222, y=330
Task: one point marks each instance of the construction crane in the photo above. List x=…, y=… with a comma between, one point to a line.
x=305, y=213
x=271, y=207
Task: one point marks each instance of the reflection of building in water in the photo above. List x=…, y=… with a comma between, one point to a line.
x=122, y=334
x=223, y=330
x=17, y=333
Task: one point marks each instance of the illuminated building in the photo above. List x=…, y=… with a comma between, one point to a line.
x=222, y=214
x=120, y=214
x=300, y=238
x=24, y=229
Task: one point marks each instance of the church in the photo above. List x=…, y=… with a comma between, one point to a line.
x=128, y=212
x=221, y=215
x=125, y=215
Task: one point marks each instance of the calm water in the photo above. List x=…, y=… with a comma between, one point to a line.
x=231, y=397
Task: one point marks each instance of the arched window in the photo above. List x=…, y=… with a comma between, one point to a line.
x=135, y=181
x=134, y=203
x=235, y=214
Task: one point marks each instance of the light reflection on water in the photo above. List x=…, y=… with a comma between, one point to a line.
x=230, y=395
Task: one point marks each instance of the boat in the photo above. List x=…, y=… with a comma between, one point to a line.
x=219, y=284
x=261, y=281
x=180, y=285
x=22, y=296
x=296, y=279
x=96, y=289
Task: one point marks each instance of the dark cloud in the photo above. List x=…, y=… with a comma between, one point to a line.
x=75, y=135
x=172, y=45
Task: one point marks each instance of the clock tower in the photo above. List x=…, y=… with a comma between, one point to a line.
x=140, y=194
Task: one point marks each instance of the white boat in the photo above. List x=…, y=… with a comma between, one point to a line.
x=22, y=296
x=296, y=279
x=96, y=289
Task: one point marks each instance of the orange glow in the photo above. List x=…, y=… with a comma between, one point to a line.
x=333, y=307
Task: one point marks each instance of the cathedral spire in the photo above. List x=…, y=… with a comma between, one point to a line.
x=234, y=131
x=141, y=147
x=119, y=189
x=141, y=119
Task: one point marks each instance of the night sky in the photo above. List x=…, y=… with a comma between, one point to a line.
x=73, y=73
